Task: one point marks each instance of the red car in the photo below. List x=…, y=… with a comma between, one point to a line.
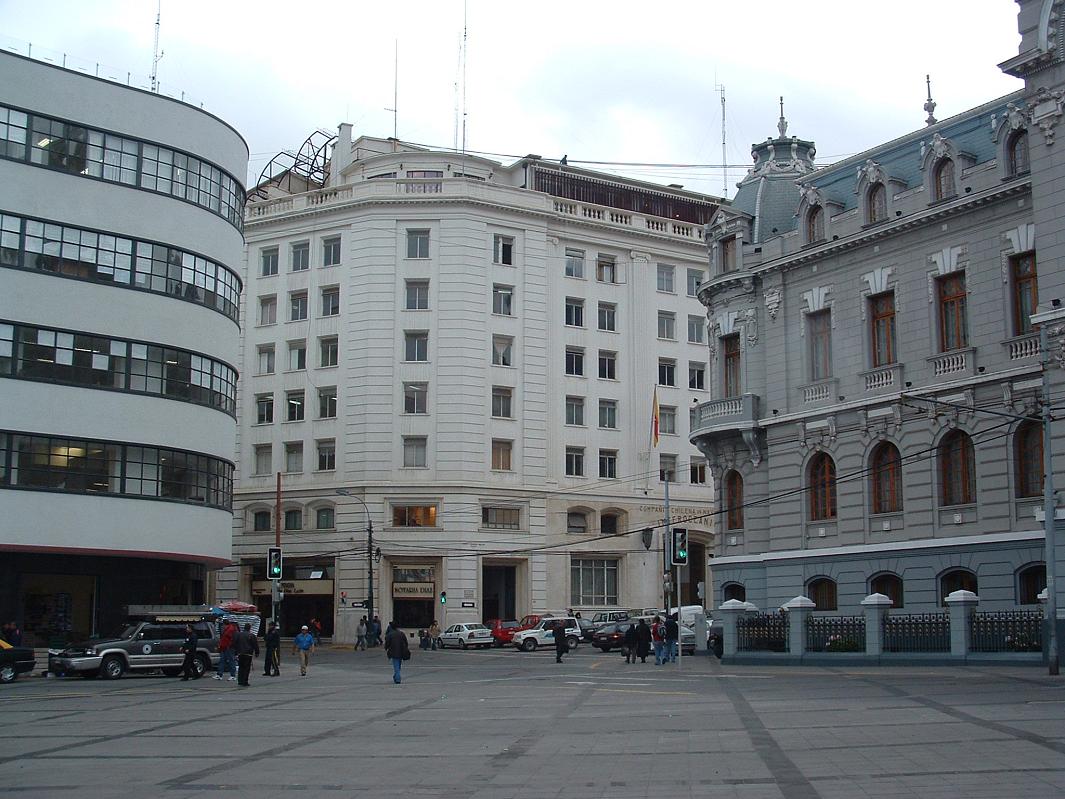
x=502, y=630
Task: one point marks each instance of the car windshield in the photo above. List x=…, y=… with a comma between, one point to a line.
x=508, y=625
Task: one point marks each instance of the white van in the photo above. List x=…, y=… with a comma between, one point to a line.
x=687, y=613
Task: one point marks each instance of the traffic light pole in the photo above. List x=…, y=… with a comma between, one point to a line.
x=369, y=550
x=275, y=586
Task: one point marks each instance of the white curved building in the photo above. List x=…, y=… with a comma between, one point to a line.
x=120, y=244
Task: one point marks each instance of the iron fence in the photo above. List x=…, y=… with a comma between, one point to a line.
x=1006, y=631
x=917, y=632
x=835, y=634
x=762, y=632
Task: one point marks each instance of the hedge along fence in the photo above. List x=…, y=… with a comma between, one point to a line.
x=835, y=634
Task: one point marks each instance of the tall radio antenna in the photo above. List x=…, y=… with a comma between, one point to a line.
x=157, y=54
x=395, y=95
x=724, y=161
x=464, y=78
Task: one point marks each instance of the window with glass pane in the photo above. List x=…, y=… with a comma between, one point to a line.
x=264, y=409
x=822, y=592
x=1018, y=153
x=575, y=461
x=268, y=262
x=575, y=410
x=574, y=361
x=697, y=376
x=695, y=279
x=608, y=414
x=730, y=356
x=417, y=243
x=608, y=463
x=667, y=468
x=1025, y=292
x=734, y=500
x=294, y=456
x=876, y=204
x=1031, y=581
x=943, y=180
x=415, y=397
x=608, y=524
x=327, y=402
x=501, y=402
x=667, y=325
x=607, y=316
x=667, y=419
x=267, y=310
x=294, y=406
x=819, y=327
x=325, y=519
x=331, y=251
x=417, y=295
x=328, y=351
x=576, y=523
x=882, y=319
x=953, y=314
x=414, y=516
x=416, y=346
x=1028, y=459
x=331, y=301
x=608, y=365
x=503, y=250
x=263, y=459
x=885, y=475
x=593, y=582
x=822, y=482
x=574, y=312
x=667, y=372
x=574, y=262
x=294, y=519
x=301, y=256
x=261, y=521
x=297, y=307
x=501, y=452
x=327, y=455
x=815, y=224
x=414, y=451
x=266, y=360
x=606, y=269
x=503, y=300
x=665, y=275
x=696, y=329
x=501, y=518
x=728, y=254
x=890, y=585
x=697, y=470
x=502, y=351
x=297, y=356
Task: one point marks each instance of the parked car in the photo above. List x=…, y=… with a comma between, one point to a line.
x=608, y=616
x=612, y=636
x=588, y=628
x=543, y=634
x=150, y=641
x=502, y=630
x=14, y=660
x=466, y=635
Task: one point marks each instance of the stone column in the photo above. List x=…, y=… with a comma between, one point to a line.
x=876, y=608
x=799, y=610
x=730, y=611
x=961, y=604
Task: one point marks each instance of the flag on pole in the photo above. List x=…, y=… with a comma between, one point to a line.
x=654, y=420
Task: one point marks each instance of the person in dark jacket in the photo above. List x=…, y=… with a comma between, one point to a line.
x=643, y=640
x=272, y=662
x=561, y=645
x=188, y=647
x=629, y=644
x=397, y=649
x=672, y=634
x=246, y=644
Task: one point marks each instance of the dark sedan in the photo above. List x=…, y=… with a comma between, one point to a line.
x=14, y=660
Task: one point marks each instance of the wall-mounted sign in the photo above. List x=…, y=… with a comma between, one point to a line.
x=293, y=587
x=469, y=604
x=413, y=590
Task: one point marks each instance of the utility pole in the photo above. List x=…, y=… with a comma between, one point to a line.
x=369, y=550
x=275, y=585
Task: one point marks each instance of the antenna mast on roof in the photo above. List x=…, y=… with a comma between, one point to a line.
x=157, y=54
x=724, y=161
x=395, y=95
x=464, y=78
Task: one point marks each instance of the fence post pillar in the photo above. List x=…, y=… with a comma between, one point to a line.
x=876, y=608
x=799, y=610
x=730, y=612
x=961, y=604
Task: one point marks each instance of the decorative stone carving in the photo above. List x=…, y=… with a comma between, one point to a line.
x=896, y=416
x=870, y=172
x=811, y=194
x=1021, y=238
x=949, y=259
x=1007, y=394
x=801, y=428
x=752, y=326
x=939, y=146
x=1014, y=119
x=863, y=423
x=831, y=429
x=877, y=280
x=772, y=303
x=1046, y=110
x=754, y=446
x=816, y=299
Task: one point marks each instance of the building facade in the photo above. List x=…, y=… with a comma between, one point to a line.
x=471, y=351
x=874, y=424
x=120, y=244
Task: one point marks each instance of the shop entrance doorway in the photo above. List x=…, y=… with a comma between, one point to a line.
x=498, y=592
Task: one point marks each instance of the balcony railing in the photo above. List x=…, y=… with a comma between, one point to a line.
x=724, y=413
x=949, y=364
x=1023, y=347
x=885, y=378
x=821, y=391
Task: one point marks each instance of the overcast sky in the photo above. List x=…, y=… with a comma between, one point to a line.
x=597, y=81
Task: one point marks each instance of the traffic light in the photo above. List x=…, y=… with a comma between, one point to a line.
x=273, y=563
x=680, y=547
x=443, y=597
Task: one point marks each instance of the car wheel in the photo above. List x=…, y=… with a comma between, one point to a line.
x=441, y=643
x=573, y=641
x=112, y=667
x=201, y=665
x=464, y=645
x=7, y=674
x=529, y=644
x=172, y=672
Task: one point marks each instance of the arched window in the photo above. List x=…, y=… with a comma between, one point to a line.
x=608, y=524
x=956, y=580
x=822, y=482
x=876, y=204
x=1031, y=580
x=815, y=224
x=1028, y=459
x=733, y=591
x=943, y=180
x=957, y=469
x=823, y=593
x=576, y=523
x=885, y=476
x=890, y=585
x=324, y=519
x=734, y=500
x=294, y=519
x=261, y=521
x=1018, y=153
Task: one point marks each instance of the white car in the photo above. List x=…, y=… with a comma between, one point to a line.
x=543, y=634
x=466, y=635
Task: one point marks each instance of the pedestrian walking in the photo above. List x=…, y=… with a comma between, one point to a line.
x=434, y=635
x=247, y=646
x=188, y=647
x=561, y=646
x=227, y=660
x=375, y=631
x=658, y=639
x=672, y=634
x=303, y=645
x=360, y=634
x=643, y=640
x=397, y=649
x=629, y=644
x=272, y=662
x=316, y=631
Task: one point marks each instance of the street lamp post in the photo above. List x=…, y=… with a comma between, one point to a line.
x=369, y=549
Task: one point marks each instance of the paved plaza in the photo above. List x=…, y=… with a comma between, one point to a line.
x=507, y=724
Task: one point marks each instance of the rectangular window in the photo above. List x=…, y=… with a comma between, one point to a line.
x=882, y=316
x=328, y=351
x=594, y=582
x=606, y=269
x=301, y=256
x=695, y=279
x=574, y=262
x=414, y=515
x=667, y=419
x=297, y=356
x=608, y=365
x=294, y=519
x=667, y=468
x=503, y=300
x=575, y=461
x=664, y=277
x=415, y=398
x=267, y=310
x=325, y=518
x=608, y=463
x=608, y=414
x=575, y=361
x=953, y=321
x=819, y=328
x=667, y=372
x=294, y=406
x=417, y=295
x=575, y=411
x=502, y=351
x=501, y=452
x=503, y=250
x=327, y=457
x=697, y=466
x=728, y=254
x=697, y=376
x=263, y=459
x=331, y=251
x=667, y=325
x=501, y=518
x=264, y=409
x=268, y=262
x=297, y=306
x=417, y=243
x=501, y=402
x=696, y=329
x=730, y=359
x=331, y=301
x=293, y=456
x=1025, y=292
x=266, y=360
x=608, y=316
x=327, y=402
x=415, y=346
x=574, y=312
x=414, y=451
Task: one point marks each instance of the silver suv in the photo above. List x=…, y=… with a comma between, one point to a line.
x=543, y=634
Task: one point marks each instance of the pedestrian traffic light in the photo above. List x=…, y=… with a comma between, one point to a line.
x=273, y=563
x=443, y=597
x=680, y=547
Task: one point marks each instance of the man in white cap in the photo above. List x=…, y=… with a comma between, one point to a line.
x=303, y=645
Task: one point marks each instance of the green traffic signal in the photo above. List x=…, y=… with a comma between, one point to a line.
x=443, y=597
x=273, y=563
